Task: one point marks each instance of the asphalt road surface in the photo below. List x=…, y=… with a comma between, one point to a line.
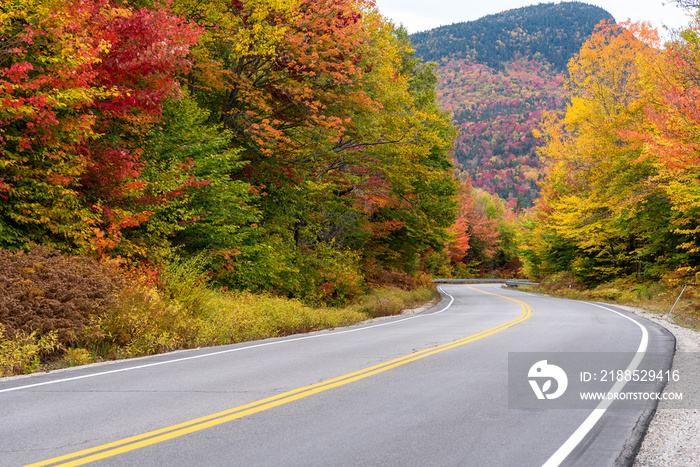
x=427, y=389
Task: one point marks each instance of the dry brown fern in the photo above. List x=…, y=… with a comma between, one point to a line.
x=42, y=290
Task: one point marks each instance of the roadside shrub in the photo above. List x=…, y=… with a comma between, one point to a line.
x=23, y=352
x=561, y=282
x=43, y=291
x=327, y=276
x=184, y=281
x=145, y=321
x=77, y=357
x=391, y=277
x=388, y=301
x=242, y=316
x=140, y=322
x=179, y=310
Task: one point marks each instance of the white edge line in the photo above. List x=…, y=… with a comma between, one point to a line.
x=570, y=444
x=237, y=349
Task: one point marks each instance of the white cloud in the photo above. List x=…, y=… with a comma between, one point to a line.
x=411, y=21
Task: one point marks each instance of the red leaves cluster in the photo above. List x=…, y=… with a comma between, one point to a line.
x=676, y=110
x=147, y=50
x=82, y=82
x=475, y=234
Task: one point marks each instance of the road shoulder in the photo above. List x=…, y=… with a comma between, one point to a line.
x=673, y=436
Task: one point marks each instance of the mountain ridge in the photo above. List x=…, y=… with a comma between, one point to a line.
x=504, y=36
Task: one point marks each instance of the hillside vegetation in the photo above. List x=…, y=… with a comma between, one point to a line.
x=497, y=77
x=604, y=151
x=58, y=311
x=496, y=112
x=193, y=173
x=296, y=146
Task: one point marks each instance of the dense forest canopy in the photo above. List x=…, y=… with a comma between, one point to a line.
x=304, y=148
x=496, y=112
x=295, y=146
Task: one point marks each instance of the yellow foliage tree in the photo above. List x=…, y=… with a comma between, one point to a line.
x=601, y=196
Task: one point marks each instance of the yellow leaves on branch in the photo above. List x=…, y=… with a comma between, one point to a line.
x=605, y=72
x=250, y=27
x=622, y=192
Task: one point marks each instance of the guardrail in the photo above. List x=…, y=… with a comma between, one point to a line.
x=507, y=282
x=519, y=282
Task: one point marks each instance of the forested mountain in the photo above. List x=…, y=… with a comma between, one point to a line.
x=553, y=31
x=497, y=76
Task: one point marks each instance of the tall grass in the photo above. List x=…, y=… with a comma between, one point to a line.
x=388, y=301
x=183, y=312
x=654, y=296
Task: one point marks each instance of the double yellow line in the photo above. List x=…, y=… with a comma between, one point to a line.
x=164, y=434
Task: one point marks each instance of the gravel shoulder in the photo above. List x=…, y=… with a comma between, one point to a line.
x=673, y=437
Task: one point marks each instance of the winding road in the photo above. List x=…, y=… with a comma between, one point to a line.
x=425, y=389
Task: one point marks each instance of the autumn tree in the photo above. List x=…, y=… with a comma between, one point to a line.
x=82, y=83
x=338, y=126
x=484, y=241
x=296, y=144
x=46, y=90
x=672, y=87
x=601, y=196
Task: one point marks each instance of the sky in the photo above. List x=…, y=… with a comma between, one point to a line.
x=421, y=15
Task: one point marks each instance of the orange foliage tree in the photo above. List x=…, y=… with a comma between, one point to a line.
x=672, y=139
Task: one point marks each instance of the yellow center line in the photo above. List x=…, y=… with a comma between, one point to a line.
x=174, y=431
